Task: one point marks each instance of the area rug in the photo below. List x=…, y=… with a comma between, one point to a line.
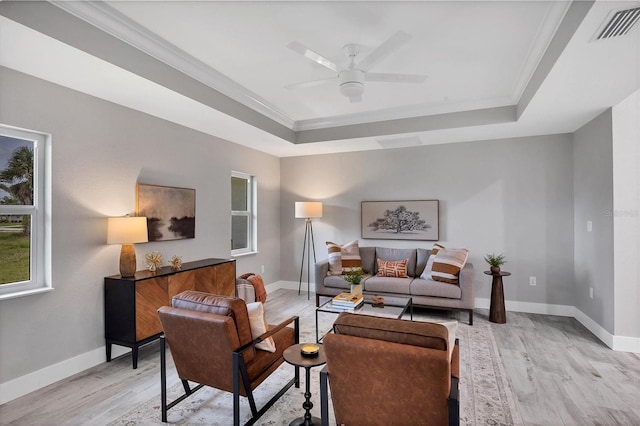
x=485, y=395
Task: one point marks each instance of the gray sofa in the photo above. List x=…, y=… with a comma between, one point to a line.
x=427, y=293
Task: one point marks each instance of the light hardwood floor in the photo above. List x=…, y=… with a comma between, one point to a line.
x=559, y=372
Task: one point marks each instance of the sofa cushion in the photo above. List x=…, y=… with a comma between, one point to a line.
x=422, y=257
x=389, y=268
x=259, y=326
x=398, y=254
x=343, y=259
x=420, y=287
x=422, y=334
x=388, y=285
x=447, y=265
x=368, y=256
x=426, y=274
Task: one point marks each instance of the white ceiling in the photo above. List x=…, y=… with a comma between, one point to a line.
x=496, y=69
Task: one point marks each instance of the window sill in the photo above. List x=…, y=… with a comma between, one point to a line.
x=249, y=253
x=15, y=294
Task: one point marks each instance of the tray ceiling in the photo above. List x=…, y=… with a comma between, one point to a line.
x=488, y=64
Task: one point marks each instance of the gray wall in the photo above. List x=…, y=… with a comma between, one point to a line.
x=512, y=196
x=626, y=216
x=99, y=151
x=593, y=201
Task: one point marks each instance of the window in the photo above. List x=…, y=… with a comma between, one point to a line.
x=25, y=232
x=243, y=214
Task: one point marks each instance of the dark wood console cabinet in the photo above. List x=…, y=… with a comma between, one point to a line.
x=131, y=304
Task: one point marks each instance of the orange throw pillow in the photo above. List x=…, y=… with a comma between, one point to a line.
x=396, y=269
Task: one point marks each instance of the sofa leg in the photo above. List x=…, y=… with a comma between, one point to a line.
x=470, y=316
x=317, y=300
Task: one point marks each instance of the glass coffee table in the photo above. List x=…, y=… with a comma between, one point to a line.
x=393, y=307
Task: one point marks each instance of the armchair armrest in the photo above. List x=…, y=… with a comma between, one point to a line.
x=321, y=270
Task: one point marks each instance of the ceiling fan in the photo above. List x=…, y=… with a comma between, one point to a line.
x=351, y=79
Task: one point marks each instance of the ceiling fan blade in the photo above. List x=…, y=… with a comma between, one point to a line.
x=312, y=55
x=380, y=52
x=311, y=83
x=395, y=78
x=353, y=99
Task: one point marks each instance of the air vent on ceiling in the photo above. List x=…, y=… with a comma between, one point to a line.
x=620, y=23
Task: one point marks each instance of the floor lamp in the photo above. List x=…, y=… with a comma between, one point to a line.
x=308, y=210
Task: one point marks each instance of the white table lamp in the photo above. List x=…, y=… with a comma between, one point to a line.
x=127, y=231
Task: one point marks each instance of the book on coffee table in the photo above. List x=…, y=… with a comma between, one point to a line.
x=348, y=300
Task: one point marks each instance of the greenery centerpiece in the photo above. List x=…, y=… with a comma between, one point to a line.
x=354, y=277
x=495, y=261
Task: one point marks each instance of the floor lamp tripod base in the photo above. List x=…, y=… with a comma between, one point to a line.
x=307, y=247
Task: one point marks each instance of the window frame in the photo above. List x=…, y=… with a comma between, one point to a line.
x=250, y=214
x=40, y=213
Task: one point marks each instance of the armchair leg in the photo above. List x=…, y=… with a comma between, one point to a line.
x=454, y=403
x=163, y=378
x=470, y=316
x=236, y=389
x=324, y=397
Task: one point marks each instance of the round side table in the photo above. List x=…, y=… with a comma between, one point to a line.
x=294, y=357
x=497, y=312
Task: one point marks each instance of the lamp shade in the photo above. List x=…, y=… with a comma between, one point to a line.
x=127, y=230
x=307, y=209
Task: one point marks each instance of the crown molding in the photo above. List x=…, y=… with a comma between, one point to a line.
x=115, y=23
x=398, y=113
x=111, y=21
x=550, y=24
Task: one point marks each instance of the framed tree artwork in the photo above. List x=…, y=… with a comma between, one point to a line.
x=170, y=211
x=401, y=220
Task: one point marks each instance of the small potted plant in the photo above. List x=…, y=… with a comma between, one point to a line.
x=495, y=262
x=354, y=277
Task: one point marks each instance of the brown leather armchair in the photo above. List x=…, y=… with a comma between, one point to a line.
x=385, y=371
x=211, y=344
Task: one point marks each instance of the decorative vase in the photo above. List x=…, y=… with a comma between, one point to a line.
x=495, y=269
x=352, y=288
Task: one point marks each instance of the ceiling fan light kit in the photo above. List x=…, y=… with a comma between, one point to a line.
x=352, y=84
x=351, y=79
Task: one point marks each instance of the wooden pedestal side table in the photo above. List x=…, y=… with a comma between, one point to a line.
x=497, y=312
x=293, y=356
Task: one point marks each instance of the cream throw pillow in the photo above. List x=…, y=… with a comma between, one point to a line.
x=259, y=326
x=426, y=274
x=448, y=264
x=343, y=259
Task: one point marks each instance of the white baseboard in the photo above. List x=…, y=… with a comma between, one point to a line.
x=626, y=344
x=599, y=331
x=530, y=308
x=289, y=285
x=44, y=377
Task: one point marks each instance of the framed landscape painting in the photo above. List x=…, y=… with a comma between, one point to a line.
x=400, y=220
x=170, y=212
